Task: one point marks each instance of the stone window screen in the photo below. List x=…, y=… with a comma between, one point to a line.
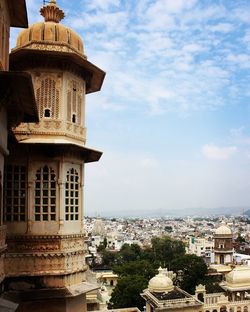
x=45, y=194
x=47, y=96
x=15, y=193
x=72, y=196
x=74, y=102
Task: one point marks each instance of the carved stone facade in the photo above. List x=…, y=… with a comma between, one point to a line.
x=49, y=257
x=17, y=104
x=61, y=104
x=44, y=173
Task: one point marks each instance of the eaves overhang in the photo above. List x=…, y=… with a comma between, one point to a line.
x=55, y=150
x=29, y=58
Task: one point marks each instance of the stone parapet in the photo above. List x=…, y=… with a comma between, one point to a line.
x=51, y=128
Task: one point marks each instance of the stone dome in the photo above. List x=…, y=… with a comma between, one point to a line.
x=160, y=283
x=223, y=229
x=239, y=276
x=50, y=35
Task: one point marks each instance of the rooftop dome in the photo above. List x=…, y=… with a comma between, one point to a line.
x=160, y=283
x=50, y=35
x=239, y=276
x=223, y=229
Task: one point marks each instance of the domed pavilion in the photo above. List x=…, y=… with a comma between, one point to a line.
x=223, y=245
x=162, y=295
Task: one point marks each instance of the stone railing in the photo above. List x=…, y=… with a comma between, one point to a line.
x=233, y=305
x=211, y=299
x=172, y=302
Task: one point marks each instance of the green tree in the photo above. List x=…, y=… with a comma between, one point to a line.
x=212, y=284
x=129, y=253
x=127, y=292
x=109, y=258
x=165, y=249
x=141, y=267
x=240, y=239
x=194, y=270
x=168, y=228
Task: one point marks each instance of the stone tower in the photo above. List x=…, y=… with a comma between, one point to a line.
x=223, y=245
x=44, y=175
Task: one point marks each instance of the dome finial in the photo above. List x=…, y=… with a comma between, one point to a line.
x=51, y=12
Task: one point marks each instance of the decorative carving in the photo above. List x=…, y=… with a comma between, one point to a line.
x=53, y=128
x=44, y=254
x=56, y=46
x=51, y=264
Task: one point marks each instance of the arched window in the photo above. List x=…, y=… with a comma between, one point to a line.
x=201, y=297
x=15, y=193
x=45, y=194
x=238, y=309
x=47, y=96
x=223, y=309
x=245, y=309
x=72, y=196
x=231, y=310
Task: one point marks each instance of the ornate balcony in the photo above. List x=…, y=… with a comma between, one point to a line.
x=51, y=128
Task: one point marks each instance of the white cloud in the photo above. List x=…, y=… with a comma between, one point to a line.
x=149, y=162
x=221, y=27
x=217, y=152
x=242, y=59
x=239, y=137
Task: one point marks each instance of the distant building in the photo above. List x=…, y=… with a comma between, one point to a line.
x=98, y=228
x=201, y=247
x=223, y=245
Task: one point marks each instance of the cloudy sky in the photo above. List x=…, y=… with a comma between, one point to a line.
x=173, y=116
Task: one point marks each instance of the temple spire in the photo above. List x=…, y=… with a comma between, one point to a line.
x=51, y=12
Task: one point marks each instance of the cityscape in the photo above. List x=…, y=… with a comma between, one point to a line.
x=124, y=156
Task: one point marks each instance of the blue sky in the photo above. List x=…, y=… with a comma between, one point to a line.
x=172, y=118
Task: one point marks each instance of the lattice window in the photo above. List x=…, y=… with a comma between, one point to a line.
x=72, y=196
x=45, y=195
x=47, y=96
x=79, y=110
x=74, y=103
x=69, y=106
x=15, y=193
